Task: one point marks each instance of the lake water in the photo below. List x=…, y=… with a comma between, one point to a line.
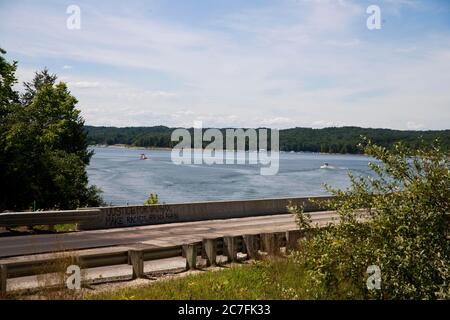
x=126, y=179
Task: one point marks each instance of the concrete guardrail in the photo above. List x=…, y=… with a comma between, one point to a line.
x=15, y=219
x=127, y=216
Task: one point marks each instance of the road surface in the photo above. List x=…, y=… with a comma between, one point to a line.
x=157, y=235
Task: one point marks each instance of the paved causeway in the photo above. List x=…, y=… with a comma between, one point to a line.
x=157, y=235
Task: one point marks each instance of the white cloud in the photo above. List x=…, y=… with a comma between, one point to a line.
x=414, y=126
x=251, y=68
x=278, y=122
x=83, y=84
x=326, y=124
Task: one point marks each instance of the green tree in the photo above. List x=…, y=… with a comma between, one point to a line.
x=31, y=88
x=45, y=150
x=8, y=96
x=396, y=220
x=9, y=101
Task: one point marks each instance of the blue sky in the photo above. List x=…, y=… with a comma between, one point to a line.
x=279, y=64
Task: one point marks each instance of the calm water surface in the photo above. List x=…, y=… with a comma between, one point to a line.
x=126, y=179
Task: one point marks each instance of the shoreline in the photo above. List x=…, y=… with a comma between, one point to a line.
x=127, y=146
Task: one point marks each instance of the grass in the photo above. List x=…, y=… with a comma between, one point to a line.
x=275, y=279
x=51, y=279
x=68, y=227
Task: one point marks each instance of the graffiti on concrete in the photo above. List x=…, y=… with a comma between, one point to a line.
x=139, y=215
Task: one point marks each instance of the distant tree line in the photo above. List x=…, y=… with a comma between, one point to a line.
x=327, y=140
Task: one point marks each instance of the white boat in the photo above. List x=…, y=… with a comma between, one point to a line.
x=143, y=157
x=326, y=166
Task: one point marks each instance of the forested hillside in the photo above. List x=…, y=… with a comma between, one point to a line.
x=332, y=140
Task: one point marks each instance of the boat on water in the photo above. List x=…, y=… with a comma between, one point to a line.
x=143, y=156
x=326, y=165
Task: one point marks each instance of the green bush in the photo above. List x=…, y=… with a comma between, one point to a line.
x=403, y=228
x=151, y=200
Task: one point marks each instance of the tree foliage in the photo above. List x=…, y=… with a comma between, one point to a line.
x=151, y=200
x=44, y=149
x=403, y=228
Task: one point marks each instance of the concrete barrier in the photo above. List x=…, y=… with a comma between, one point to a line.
x=3, y=279
x=191, y=251
x=292, y=239
x=136, y=258
x=210, y=250
x=252, y=245
x=230, y=245
x=15, y=219
x=126, y=216
x=271, y=243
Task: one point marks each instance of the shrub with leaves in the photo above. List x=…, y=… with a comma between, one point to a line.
x=151, y=200
x=396, y=219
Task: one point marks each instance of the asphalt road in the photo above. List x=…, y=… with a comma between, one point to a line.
x=157, y=235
